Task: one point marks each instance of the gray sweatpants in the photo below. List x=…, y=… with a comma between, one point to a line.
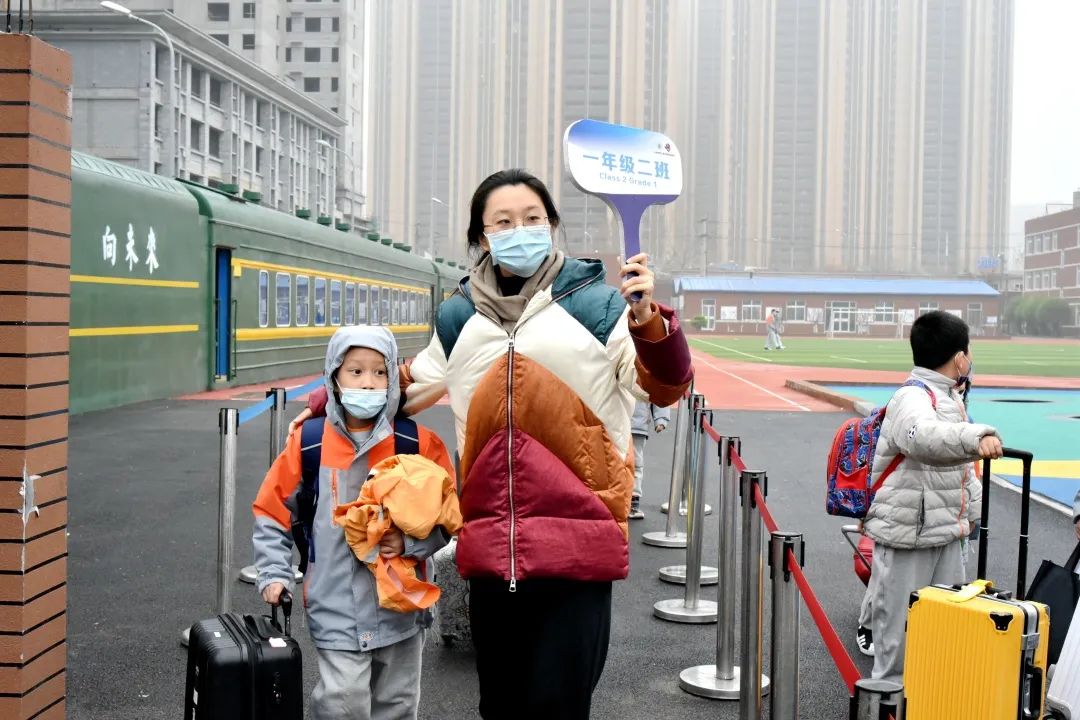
x=382, y=684
x=895, y=575
x=639, y=462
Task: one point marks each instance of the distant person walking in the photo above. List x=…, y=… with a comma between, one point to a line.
x=772, y=331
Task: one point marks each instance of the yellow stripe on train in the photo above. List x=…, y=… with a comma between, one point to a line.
x=140, y=282
x=132, y=330
x=250, y=334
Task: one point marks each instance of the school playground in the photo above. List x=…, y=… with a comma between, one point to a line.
x=1028, y=389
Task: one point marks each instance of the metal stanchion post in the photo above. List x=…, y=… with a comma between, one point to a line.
x=720, y=681
x=277, y=423
x=785, y=626
x=877, y=700
x=229, y=422
x=751, y=681
x=228, y=425
x=678, y=574
x=670, y=537
x=691, y=608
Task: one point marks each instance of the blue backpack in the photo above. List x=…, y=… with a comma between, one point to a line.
x=406, y=442
x=848, y=472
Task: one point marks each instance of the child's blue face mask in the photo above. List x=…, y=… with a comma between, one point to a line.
x=363, y=404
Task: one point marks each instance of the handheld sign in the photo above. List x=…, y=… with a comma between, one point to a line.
x=628, y=168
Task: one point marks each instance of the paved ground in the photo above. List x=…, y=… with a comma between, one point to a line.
x=142, y=553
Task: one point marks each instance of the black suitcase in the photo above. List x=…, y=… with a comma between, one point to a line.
x=244, y=667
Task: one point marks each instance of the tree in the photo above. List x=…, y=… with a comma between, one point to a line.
x=699, y=322
x=1053, y=314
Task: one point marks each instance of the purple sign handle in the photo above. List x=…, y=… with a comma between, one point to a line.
x=629, y=209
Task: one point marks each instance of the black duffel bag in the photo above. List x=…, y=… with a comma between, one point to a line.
x=1059, y=588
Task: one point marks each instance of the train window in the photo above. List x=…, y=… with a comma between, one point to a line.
x=375, y=305
x=412, y=309
x=335, y=302
x=303, y=300
x=361, y=304
x=320, y=301
x=384, y=307
x=284, y=299
x=395, y=309
x=350, y=303
x=264, y=298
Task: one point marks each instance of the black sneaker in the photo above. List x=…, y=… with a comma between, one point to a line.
x=864, y=638
x=635, y=509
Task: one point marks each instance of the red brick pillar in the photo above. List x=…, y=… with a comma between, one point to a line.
x=35, y=267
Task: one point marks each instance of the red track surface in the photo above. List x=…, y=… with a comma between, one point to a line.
x=735, y=385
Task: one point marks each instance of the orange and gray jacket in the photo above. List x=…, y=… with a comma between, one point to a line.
x=340, y=592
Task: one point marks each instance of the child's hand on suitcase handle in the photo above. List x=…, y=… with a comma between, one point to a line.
x=272, y=592
x=990, y=447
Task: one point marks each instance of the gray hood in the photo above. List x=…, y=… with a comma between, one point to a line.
x=382, y=341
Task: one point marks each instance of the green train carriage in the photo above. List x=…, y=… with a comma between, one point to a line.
x=177, y=288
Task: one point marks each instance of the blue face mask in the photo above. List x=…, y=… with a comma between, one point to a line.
x=521, y=250
x=363, y=404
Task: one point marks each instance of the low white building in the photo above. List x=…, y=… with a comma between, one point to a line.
x=228, y=120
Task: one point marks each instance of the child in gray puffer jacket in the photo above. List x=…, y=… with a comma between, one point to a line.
x=646, y=418
x=931, y=502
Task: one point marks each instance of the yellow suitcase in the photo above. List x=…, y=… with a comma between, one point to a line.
x=976, y=654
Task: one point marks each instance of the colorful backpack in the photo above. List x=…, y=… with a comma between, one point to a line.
x=851, y=460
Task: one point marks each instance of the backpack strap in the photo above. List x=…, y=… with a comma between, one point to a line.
x=924, y=386
x=307, y=496
x=311, y=452
x=406, y=436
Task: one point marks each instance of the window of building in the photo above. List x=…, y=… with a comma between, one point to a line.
x=1076, y=315
x=350, y=303
x=751, y=311
x=361, y=304
x=927, y=306
x=320, y=301
x=975, y=314
x=312, y=54
x=303, y=300
x=214, y=146
x=288, y=25
x=264, y=298
x=1078, y=276
x=1030, y=244
x=311, y=84
x=795, y=311
x=288, y=54
x=1036, y=281
x=249, y=10
x=216, y=89
x=197, y=78
x=312, y=24
x=258, y=159
x=284, y=297
x=249, y=41
x=196, y=135
x=333, y=84
x=222, y=38
x=333, y=54
x=335, y=302
x=884, y=312
x=159, y=116
x=335, y=24
x=217, y=11
x=1054, y=240
x=375, y=305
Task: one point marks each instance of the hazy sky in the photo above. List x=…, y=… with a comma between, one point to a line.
x=1046, y=102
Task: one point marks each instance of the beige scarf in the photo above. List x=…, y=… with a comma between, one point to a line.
x=507, y=309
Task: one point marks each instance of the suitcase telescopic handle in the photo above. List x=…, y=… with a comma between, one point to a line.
x=286, y=609
x=1025, y=458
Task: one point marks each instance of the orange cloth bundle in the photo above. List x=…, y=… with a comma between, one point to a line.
x=416, y=495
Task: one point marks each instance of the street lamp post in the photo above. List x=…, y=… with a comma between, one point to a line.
x=431, y=222
x=170, y=140
x=352, y=175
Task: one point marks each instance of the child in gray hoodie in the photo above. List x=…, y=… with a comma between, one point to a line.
x=369, y=657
